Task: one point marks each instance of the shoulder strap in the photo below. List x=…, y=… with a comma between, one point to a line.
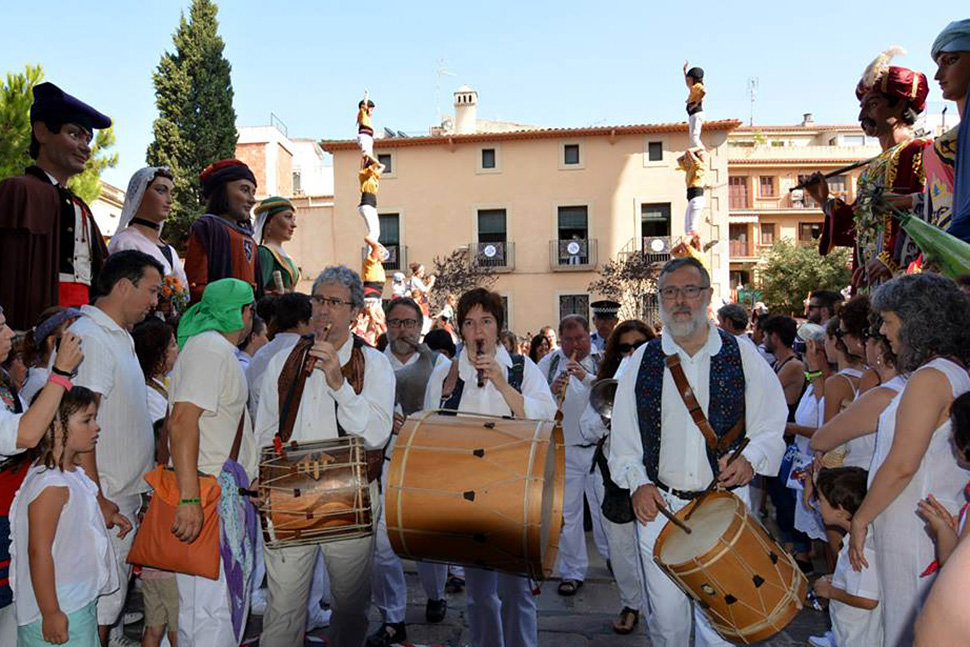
x=693, y=406
x=167, y=253
x=290, y=385
x=517, y=372
x=452, y=388
x=553, y=367
x=237, y=441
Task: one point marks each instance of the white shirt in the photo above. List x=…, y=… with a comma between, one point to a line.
x=131, y=238
x=854, y=627
x=84, y=558
x=577, y=392
x=257, y=365
x=157, y=404
x=397, y=365
x=9, y=425
x=126, y=446
x=368, y=415
x=683, y=461
x=207, y=374
x=36, y=380
x=539, y=404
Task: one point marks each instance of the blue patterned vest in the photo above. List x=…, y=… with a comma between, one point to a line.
x=724, y=409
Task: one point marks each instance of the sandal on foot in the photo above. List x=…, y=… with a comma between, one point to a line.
x=568, y=588
x=627, y=621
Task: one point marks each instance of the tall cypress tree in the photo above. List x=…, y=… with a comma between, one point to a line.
x=196, y=122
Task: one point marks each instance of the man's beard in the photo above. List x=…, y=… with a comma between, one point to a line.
x=682, y=329
x=403, y=345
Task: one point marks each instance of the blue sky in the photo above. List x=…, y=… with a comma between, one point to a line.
x=563, y=64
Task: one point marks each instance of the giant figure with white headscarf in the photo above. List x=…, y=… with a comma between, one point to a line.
x=275, y=224
x=148, y=201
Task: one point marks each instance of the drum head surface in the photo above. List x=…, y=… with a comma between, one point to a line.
x=708, y=523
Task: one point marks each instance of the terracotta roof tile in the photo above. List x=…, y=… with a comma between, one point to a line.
x=538, y=133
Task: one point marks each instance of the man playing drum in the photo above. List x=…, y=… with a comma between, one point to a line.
x=501, y=607
x=661, y=454
x=337, y=400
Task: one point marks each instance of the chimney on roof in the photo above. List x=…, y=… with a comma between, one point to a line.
x=466, y=111
x=807, y=119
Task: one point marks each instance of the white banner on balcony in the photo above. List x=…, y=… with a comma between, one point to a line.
x=743, y=218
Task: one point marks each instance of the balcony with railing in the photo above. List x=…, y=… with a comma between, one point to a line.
x=572, y=255
x=498, y=256
x=741, y=249
x=656, y=249
x=397, y=259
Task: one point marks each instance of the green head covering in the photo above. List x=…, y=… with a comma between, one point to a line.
x=220, y=309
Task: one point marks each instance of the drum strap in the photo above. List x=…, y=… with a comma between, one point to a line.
x=451, y=401
x=716, y=446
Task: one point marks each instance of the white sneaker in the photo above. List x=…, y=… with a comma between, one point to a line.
x=318, y=621
x=257, y=602
x=131, y=617
x=825, y=640
x=121, y=640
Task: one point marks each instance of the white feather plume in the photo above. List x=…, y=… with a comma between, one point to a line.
x=880, y=65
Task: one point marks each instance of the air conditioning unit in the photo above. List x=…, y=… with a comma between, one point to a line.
x=656, y=245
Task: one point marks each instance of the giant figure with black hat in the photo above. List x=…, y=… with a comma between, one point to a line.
x=890, y=100
x=51, y=249
x=221, y=243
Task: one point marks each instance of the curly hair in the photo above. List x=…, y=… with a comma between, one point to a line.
x=960, y=417
x=935, y=315
x=854, y=315
x=875, y=323
x=75, y=400
x=343, y=275
x=152, y=338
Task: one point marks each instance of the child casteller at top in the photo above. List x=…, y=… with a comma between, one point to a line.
x=365, y=129
x=694, y=77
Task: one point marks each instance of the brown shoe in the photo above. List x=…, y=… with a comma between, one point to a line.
x=627, y=621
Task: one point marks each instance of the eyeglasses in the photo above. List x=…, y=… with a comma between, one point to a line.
x=332, y=303
x=402, y=323
x=689, y=292
x=623, y=349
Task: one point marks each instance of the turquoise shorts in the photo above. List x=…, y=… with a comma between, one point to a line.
x=82, y=630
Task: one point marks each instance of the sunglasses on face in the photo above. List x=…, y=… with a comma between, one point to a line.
x=624, y=349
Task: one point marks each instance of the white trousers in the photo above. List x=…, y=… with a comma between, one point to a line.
x=625, y=557
x=366, y=143
x=671, y=611
x=573, y=559
x=8, y=625
x=390, y=587
x=110, y=606
x=692, y=217
x=289, y=573
x=369, y=214
x=205, y=617
x=694, y=124
x=501, y=609
x=319, y=589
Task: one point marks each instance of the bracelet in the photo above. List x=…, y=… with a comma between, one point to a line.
x=62, y=373
x=811, y=375
x=60, y=381
x=191, y=501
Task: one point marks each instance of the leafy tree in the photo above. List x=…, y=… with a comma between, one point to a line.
x=196, y=122
x=457, y=274
x=791, y=271
x=16, y=97
x=630, y=279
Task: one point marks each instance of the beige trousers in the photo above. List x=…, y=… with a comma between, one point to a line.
x=289, y=574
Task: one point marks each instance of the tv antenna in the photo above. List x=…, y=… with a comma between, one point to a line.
x=752, y=95
x=441, y=70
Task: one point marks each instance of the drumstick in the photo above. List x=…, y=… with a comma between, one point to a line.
x=710, y=488
x=674, y=520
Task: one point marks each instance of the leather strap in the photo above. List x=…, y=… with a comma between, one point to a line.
x=715, y=445
x=237, y=441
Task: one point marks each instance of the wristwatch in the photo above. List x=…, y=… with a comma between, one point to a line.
x=68, y=374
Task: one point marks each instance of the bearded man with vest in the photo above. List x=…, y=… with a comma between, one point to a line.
x=349, y=392
x=659, y=450
x=570, y=371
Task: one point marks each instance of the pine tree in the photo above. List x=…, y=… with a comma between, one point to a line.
x=16, y=96
x=196, y=122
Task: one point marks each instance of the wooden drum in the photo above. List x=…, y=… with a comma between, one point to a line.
x=314, y=493
x=748, y=586
x=478, y=490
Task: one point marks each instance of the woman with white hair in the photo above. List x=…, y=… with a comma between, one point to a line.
x=148, y=202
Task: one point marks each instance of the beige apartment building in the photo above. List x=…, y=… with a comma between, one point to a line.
x=544, y=207
x=764, y=162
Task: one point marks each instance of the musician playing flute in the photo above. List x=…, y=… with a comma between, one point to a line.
x=484, y=378
x=890, y=100
x=349, y=391
x=659, y=450
x=570, y=370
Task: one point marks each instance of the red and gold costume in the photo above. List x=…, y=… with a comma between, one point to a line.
x=898, y=169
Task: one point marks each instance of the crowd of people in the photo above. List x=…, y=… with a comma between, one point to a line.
x=139, y=391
